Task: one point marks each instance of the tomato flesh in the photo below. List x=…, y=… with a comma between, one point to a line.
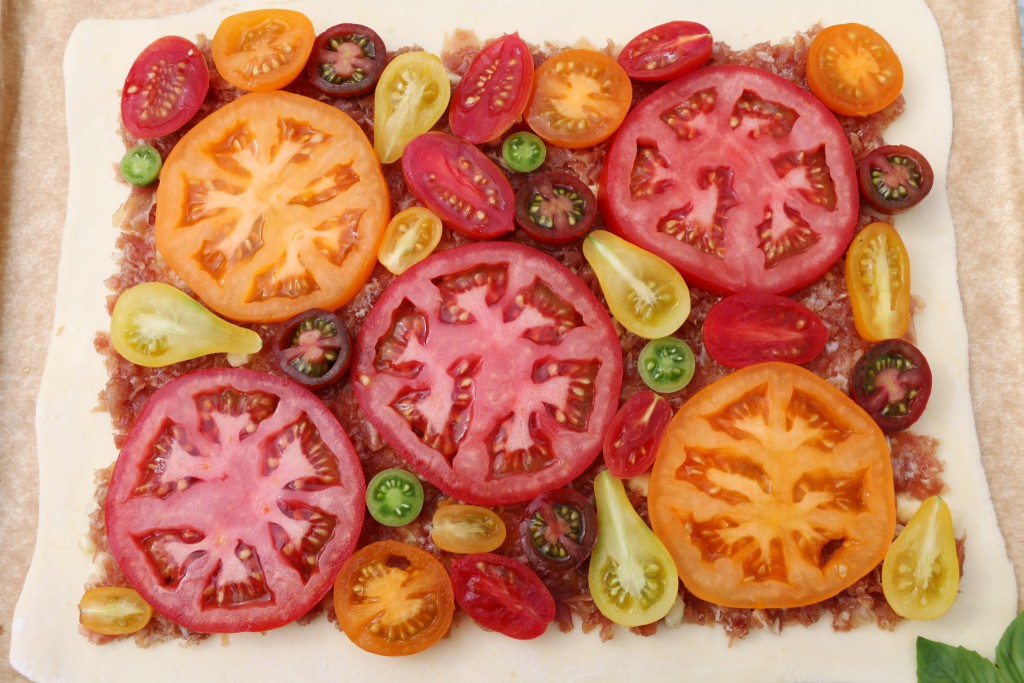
x=632, y=440
x=753, y=327
x=494, y=91
x=555, y=207
x=262, y=50
x=921, y=572
x=394, y=497
x=346, y=60
x=313, y=348
x=894, y=178
x=411, y=95
x=878, y=280
x=892, y=382
x=853, y=70
x=411, y=236
x=558, y=530
x=164, y=88
x=113, y=611
x=458, y=528
x=503, y=595
x=667, y=51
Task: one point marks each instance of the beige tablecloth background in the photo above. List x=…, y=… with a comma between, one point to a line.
x=985, y=187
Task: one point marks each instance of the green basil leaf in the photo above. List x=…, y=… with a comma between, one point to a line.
x=941, y=663
x=1010, y=653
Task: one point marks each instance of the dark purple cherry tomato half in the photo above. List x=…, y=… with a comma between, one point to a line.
x=666, y=51
x=893, y=178
x=313, y=348
x=502, y=594
x=346, y=60
x=555, y=207
x=558, y=530
x=164, y=88
x=631, y=441
x=892, y=383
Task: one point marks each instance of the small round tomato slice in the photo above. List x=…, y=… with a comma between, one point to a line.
x=667, y=51
x=921, y=572
x=113, y=611
x=666, y=364
x=579, y=98
x=753, y=327
x=411, y=96
x=853, y=70
x=313, y=348
x=393, y=599
x=631, y=441
x=502, y=594
x=460, y=184
x=346, y=60
x=263, y=49
x=772, y=489
x=494, y=91
x=878, y=279
x=523, y=151
x=894, y=178
x=164, y=88
x=558, y=530
x=458, y=528
x=234, y=502
x=272, y=205
x=394, y=497
x=411, y=236
x=892, y=382
x=555, y=207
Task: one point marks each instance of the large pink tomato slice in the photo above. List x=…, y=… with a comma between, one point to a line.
x=739, y=178
x=234, y=502
x=492, y=369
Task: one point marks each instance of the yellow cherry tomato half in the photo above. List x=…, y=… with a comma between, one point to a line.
x=853, y=70
x=644, y=292
x=411, y=95
x=113, y=611
x=467, y=529
x=878, y=280
x=263, y=49
x=411, y=236
x=921, y=571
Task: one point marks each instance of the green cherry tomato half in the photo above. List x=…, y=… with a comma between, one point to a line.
x=140, y=165
x=394, y=497
x=666, y=365
x=523, y=151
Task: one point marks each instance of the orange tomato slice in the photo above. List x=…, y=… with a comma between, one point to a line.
x=263, y=49
x=272, y=205
x=772, y=489
x=878, y=280
x=853, y=70
x=580, y=98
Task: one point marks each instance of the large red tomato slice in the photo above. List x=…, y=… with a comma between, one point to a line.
x=492, y=369
x=740, y=179
x=234, y=502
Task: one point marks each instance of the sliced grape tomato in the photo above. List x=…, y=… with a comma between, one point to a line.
x=523, y=151
x=558, y=530
x=631, y=441
x=113, y=611
x=411, y=236
x=555, y=207
x=313, y=348
x=892, y=382
x=878, y=281
x=753, y=327
x=894, y=178
x=853, y=70
x=667, y=51
x=460, y=528
x=164, y=88
x=494, y=91
x=140, y=165
x=346, y=60
x=921, y=571
x=262, y=50
x=411, y=95
x=502, y=594
x=666, y=365
x=394, y=497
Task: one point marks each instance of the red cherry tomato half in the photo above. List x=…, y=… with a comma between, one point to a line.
x=347, y=60
x=460, y=184
x=558, y=530
x=502, y=594
x=494, y=91
x=667, y=51
x=555, y=207
x=631, y=441
x=313, y=348
x=750, y=327
x=894, y=178
x=165, y=88
x=892, y=383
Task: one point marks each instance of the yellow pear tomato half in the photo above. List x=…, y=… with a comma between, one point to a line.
x=878, y=279
x=411, y=95
x=411, y=236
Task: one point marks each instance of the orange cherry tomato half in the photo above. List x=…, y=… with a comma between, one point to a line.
x=272, y=205
x=772, y=489
x=579, y=98
x=466, y=529
x=393, y=599
x=853, y=70
x=878, y=279
x=113, y=611
x=263, y=49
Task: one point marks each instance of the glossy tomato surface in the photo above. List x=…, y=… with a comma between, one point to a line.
x=555, y=207
x=740, y=179
x=460, y=184
x=234, y=502
x=494, y=91
x=272, y=205
x=631, y=442
x=853, y=69
x=491, y=369
x=752, y=327
x=347, y=60
x=558, y=530
x=262, y=50
x=921, y=573
x=411, y=95
x=878, y=280
x=164, y=88
x=667, y=51
x=502, y=594
x=892, y=382
x=894, y=178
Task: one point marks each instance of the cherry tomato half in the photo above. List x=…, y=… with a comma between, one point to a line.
x=878, y=279
x=141, y=165
x=631, y=441
x=113, y=611
x=555, y=207
x=892, y=383
x=853, y=70
x=411, y=236
x=494, y=91
x=264, y=49
x=502, y=594
x=394, y=497
x=164, y=88
x=523, y=151
x=667, y=51
x=346, y=60
x=921, y=572
x=411, y=95
x=666, y=364
x=459, y=528
x=753, y=327
x=558, y=530
x=894, y=178
x=313, y=348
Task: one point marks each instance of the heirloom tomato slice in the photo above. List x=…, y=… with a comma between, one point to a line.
x=853, y=70
x=667, y=51
x=752, y=327
x=737, y=177
x=164, y=88
x=411, y=95
x=492, y=369
x=272, y=205
x=631, y=443
x=772, y=489
x=494, y=91
x=263, y=49
x=234, y=502
x=503, y=594
x=878, y=279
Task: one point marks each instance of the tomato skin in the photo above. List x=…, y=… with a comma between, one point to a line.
x=555, y=207
x=411, y=96
x=921, y=571
x=892, y=382
x=752, y=327
x=346, y=60
x=458, y=528
x=502, y=594
x=113, y=611
x=878, y=279
x=894, y=178
x=150, y=104
x=313, y=349
x=631, y=441
x=666, y=365
x=440, y=168
x=853, y=70
x=693, y=187
x=494, y=91
x=558, y=530
x=262, y=50
x=666, y=51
